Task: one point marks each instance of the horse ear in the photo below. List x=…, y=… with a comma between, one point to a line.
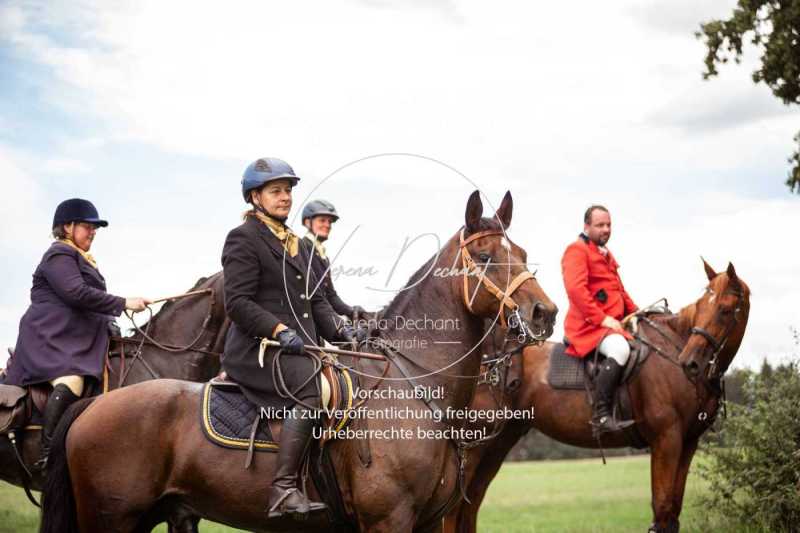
x=474, y=212
x=709, y=271
x=505, y=210
x=732, y=277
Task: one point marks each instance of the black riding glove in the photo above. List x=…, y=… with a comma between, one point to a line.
x=291, y=343
x=353, y=335
x=358, y=312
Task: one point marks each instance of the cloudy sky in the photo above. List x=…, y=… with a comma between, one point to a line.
x=153, y=109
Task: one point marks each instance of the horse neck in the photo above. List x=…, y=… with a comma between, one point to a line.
x=179, y=322
x=434, y=298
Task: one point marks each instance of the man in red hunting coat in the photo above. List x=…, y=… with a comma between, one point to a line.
x=597, y=303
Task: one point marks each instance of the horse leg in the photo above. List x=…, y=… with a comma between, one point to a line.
x=489, y=460
x=182, y=520
x=183, y=524
x=664, y=462
x=680, y=478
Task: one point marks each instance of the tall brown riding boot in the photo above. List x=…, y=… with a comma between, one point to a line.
x=58, y=402
x=285, y=497
x=605, y=384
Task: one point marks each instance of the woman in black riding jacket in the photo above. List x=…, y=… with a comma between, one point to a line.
x=265, y=298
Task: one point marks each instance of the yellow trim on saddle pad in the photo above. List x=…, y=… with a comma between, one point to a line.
x=350, y=394
x=230, y=442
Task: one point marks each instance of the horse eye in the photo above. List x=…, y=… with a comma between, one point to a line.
x=484, y=257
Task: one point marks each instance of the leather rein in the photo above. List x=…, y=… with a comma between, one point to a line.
x=146, y=339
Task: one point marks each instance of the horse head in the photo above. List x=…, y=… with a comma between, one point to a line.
x=496, y=279
x=718, y=324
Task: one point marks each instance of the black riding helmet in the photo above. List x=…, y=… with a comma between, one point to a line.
x=77, y=210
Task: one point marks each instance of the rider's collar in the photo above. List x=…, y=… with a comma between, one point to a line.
x=318, y=246
x=602, y=249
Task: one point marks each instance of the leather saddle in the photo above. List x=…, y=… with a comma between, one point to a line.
x=577, y=373
x=230, y=420
x=21, y=407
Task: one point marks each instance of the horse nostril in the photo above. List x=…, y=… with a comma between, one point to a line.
x=692, y=367
x=538, y=313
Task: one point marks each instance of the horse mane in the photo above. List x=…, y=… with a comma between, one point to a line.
x=401, y=301
x=686, y=318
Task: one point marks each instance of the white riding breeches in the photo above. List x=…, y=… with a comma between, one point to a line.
x=75, y=384
x=616, y=347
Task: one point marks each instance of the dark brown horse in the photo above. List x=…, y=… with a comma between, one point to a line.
x=134, y=455
x=185, y=341
x=675, y=398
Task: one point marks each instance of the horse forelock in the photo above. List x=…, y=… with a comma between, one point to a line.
x=488, y=224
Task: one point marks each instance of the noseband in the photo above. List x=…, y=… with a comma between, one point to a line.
x=505, y=297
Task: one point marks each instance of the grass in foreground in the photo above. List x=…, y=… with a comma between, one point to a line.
x=578, y=496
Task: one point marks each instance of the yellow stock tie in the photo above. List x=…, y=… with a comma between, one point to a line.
x=291, y=242
x=86, y=255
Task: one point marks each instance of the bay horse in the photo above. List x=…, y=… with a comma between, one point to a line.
x=183, y=340
x=675, y=398
x=125, y=461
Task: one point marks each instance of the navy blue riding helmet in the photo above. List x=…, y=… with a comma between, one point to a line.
x=77, y=210
x=263, y=171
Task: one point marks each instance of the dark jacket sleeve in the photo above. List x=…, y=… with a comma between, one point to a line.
x=333, y=297
x=242, y=273
x=321, y=271
x=325, y=318
x=64, y=276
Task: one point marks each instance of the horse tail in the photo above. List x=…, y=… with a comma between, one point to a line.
x=58, y=502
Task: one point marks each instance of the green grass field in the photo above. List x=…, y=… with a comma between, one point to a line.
x=542, y=496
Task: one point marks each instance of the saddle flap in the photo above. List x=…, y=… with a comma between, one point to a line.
x=11, y=394
x=13, y=412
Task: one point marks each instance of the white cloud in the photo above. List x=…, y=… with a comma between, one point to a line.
x=63, y=165
x=680, y=17
x=600, y=109
x=714, y=106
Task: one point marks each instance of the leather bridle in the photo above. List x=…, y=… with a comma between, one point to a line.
x=469, y=267
x=718, y=345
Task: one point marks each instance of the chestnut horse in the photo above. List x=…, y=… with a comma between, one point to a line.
x=131, y=457
x=675, y=398
x=187, y=338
